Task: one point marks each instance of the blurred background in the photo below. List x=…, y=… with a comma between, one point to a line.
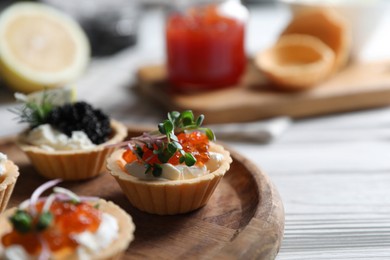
x=113, y=25
x=128, y=34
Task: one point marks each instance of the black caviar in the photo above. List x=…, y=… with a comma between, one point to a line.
x=81, y=116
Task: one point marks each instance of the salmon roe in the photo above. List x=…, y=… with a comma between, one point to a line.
x=195, y=143
x=69, y=219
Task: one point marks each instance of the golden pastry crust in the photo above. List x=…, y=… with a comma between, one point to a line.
x=168, y=197
x=76, y=164
x=113, y=251
x=7, y=183
x=328, y=26
x=296, y=62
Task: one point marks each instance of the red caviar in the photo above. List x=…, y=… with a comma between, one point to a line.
x=195, y=143
x=69, y=219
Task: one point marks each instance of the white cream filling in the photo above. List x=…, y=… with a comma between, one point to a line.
x=89, y=243
x=176, y=172
x=14, y=252
x=3, y=159
x=47, y=138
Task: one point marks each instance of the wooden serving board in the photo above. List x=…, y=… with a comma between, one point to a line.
x=359, y=86
x=244, y=218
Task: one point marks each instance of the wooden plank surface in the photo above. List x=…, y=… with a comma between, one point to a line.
x=359, y=86
x=243, y=219
x=333, y=175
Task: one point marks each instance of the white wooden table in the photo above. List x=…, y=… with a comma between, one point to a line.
x=333, y=172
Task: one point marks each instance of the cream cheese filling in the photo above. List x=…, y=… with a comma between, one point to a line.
x=49, y=139
x=90, y=243
x=176, y=172
x=3, y=159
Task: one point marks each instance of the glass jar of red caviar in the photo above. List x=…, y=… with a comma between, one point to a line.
x=205, y=44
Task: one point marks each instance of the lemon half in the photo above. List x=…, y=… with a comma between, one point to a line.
x=40, y=47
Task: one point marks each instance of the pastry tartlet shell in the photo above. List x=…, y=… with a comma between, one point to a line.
x=296, y=62
x=75, y=164
x=7, y=183
x=328, y=26
x=168, y=197
x=113, y=251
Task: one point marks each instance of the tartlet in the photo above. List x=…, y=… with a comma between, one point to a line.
x=75, y=164
x=162, y=196
x=328, y=26
x=167, y=197
x=296, y=62
x=66, y=139
x=86, y=211
x=7, y=183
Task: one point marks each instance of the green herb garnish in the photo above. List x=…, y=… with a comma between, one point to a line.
x=44, y=221
x=165, y=143
x=33, y=112
x=22, y=221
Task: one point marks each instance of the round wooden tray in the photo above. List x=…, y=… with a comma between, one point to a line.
x=244, y=219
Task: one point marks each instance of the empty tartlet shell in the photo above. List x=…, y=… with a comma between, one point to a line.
x=113, y=251
x=168, y=197
x=7, y=183
x=296, y=62
x=328, y=26
x=75, y=164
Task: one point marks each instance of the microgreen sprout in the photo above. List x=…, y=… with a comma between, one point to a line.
x=21, y=221
x=44, y=220
x=165, y=143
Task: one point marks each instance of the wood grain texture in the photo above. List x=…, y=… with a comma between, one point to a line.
x=243, y=219
x=359, y=86
x=333, y=175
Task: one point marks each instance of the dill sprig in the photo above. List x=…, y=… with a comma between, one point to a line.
x=33, y=112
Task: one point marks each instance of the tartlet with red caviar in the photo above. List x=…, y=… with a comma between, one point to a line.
x=173, y=170
x=64, y=226
x=66, y=140
x=9, y=173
